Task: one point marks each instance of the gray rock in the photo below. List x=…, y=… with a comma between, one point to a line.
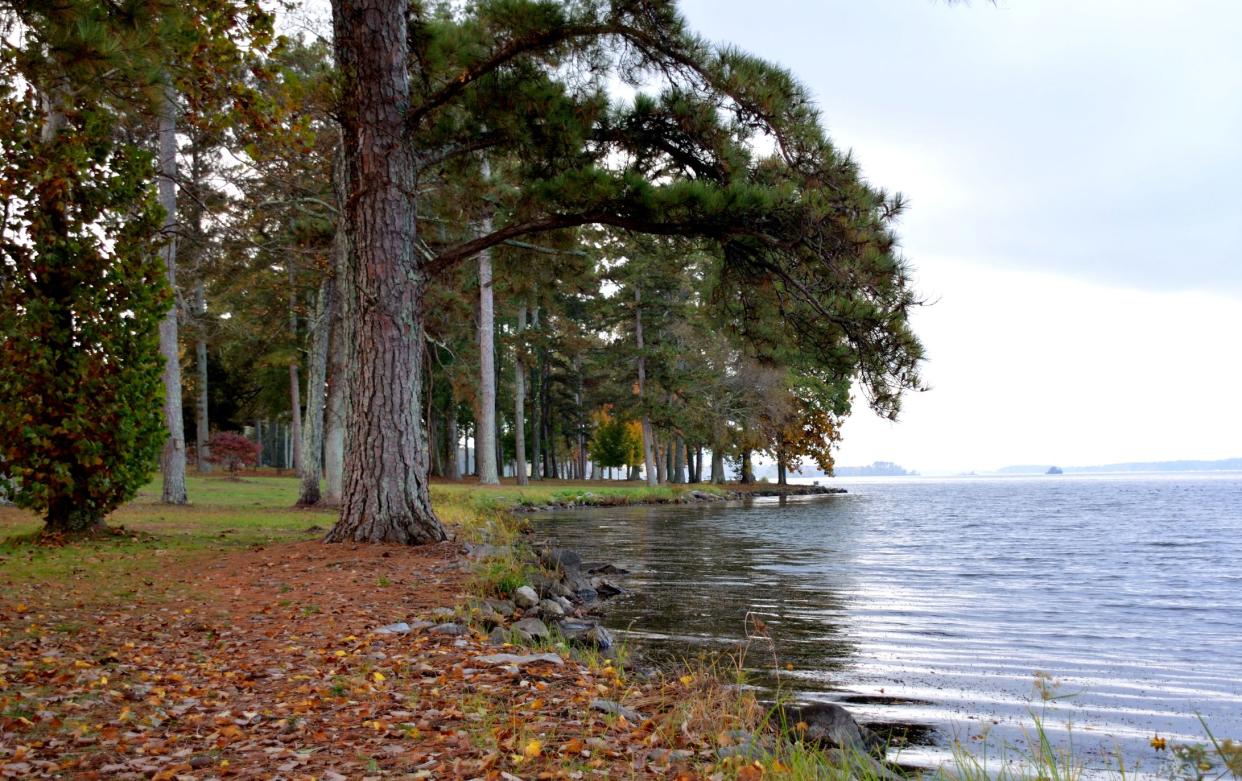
x=576, y=582
x=398, y=628
x=502, y=606
x=525, y=597
x=607, y=569
x=564, y=602
x=831, y=726
x=617, y=709
x=532, y=627
x=560, y=559
x=551, y=609
x=520, y=660
x=498, y=636
x=597, y=637
x=543, y=584
x=488, y=617
x=443, y=612
x=704, y=496
x=449, y=629
x=586, y=634
x=606, y=588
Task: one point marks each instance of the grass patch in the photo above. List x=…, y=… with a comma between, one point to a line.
x=227, y=514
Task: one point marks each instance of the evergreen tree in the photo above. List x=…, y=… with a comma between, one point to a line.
x=81, y=291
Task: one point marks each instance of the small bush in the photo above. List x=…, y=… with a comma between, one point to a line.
x=233, y=451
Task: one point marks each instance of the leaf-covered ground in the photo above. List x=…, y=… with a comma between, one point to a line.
x=216, y=654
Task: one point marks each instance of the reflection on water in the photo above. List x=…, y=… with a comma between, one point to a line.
x=936, y=601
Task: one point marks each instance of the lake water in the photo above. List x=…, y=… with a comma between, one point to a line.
x=935, y=602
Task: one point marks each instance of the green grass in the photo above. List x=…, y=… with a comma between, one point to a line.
x=151, y=536
x=229, y=514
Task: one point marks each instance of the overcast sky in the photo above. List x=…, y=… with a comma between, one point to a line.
x=1073, y=171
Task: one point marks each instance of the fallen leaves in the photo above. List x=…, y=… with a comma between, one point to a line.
x=235, y=680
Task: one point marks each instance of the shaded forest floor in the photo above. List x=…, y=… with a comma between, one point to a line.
x=223, y=640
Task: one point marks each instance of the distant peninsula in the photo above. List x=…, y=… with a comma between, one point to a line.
x=877, y=469
x=1222, y=465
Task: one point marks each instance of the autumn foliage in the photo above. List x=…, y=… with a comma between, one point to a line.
x=233, y=451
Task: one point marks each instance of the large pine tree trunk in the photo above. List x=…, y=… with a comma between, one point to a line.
x=202, y=432
x=782, y=477
x=718, y=471
x=172, y=462
x=316, y=381
x=386, y=496
x=519, y=399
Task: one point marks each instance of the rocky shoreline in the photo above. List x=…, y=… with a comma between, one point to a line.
x=693, y=496
x=564, y=600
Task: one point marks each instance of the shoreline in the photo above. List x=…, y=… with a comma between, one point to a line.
x=705, y=493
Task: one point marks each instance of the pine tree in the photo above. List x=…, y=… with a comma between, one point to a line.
x=426, y=88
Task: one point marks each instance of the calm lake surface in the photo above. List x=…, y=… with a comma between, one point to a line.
x=934, y=602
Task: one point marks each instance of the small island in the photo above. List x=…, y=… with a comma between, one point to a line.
x=1054, y=470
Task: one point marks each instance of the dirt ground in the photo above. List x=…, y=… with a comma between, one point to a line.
x=263, y=663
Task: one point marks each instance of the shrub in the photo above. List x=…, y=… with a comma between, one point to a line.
x=233, y=451
x=82, y=293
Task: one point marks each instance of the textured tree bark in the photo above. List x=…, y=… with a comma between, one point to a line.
x=679, y=460
x=579, y=425
x=172, y=461
x=295, y=391
x=316, y=381
x=718, y=472
x=519, y=398
x=698, y=463
x=748, y=472
x=340, y=346
x=434, y=450
x=782, y=477
x=202, y=432
x=295, y=418
x=648, y=457
x=485, y=437
x=385, y=497
x=536, y=411
x=661, y=460
x=453, y=465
